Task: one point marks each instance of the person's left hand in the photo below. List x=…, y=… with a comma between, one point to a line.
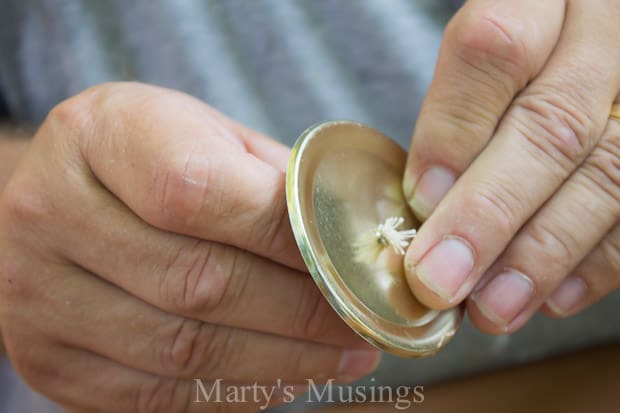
x=518, y=112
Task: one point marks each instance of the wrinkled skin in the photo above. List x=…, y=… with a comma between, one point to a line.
x=144, y=242
x=515, y=164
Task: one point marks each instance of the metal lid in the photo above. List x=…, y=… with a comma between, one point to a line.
x=342, y=181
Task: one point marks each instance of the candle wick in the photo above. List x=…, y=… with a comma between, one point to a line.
x=388, y=234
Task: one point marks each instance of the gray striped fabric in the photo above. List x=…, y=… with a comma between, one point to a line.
x=277, y=66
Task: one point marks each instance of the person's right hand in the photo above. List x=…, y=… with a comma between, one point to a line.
x=144, y=242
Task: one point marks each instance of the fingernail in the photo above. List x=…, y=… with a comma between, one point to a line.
x=430, y=189
x=408, y=184
x=355, y=364
x=504, y=297
x=446, y=266
x=568, y=295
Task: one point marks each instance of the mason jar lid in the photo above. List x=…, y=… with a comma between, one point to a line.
x=343, y=180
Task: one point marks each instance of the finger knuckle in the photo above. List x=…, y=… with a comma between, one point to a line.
x=22, y=205
x=74, y=115
x=184, y=192
x=602, y=168
x=495, y=204
x=198, y=279
x=161, y=395
x=73, y=127
x=486, y=40
x=559, y=246
x=471, y=125
x=556, y=124
x=79, y=115
x=182, y=354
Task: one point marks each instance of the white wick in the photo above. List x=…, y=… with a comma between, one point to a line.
x=388, y=234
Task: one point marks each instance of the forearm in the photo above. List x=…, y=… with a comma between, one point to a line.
x=12, y=145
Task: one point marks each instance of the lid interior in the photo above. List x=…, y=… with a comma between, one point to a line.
x=343, y=180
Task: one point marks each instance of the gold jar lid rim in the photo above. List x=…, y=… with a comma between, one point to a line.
x=343, y=178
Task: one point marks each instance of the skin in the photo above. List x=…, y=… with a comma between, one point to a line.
x=144, y=236
x=515, y=164
x=12, y=146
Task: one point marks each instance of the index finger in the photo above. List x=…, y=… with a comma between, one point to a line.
x=183, y=167
x=490, y=50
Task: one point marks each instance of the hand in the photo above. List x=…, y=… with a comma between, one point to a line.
x=144, y=242
x=12, y=145
x=515, y=141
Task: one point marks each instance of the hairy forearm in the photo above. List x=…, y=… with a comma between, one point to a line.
x=13, y=143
